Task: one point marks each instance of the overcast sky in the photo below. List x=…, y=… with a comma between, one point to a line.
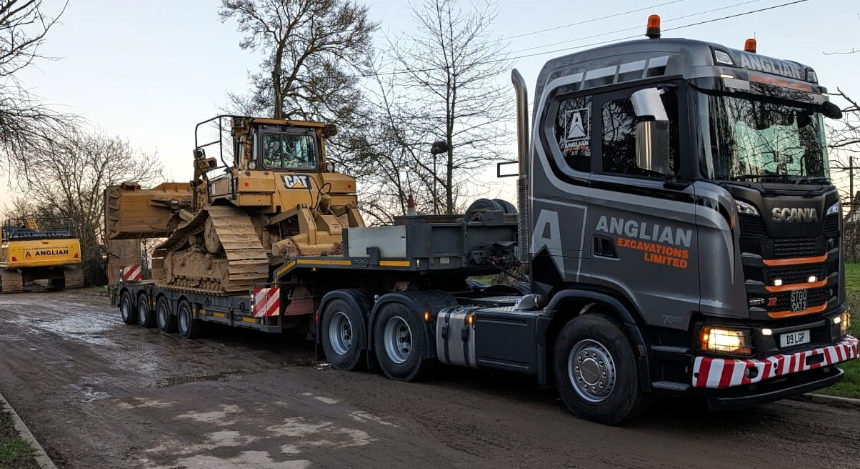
x=150, y=70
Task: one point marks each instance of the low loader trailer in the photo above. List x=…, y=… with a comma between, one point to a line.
x=676, y=230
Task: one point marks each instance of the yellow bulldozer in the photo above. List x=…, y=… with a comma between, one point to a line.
x=39, y=249
x=269, y=195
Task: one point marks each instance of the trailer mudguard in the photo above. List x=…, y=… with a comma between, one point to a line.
x=624, y=314
x=417, y=302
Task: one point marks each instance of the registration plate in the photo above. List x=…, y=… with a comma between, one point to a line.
x=794, y=338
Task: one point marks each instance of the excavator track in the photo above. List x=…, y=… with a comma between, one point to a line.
x=73, y=277
x=217, y=252
x=11, y=281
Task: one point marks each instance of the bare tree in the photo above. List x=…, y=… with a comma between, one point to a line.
x=68, y=174
x=24, y=25
x=311, y=47
x=844, y=145
x=451, y=68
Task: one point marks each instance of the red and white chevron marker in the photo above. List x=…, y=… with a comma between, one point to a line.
x=727, y=372
x=132, y=273
x=267, y=301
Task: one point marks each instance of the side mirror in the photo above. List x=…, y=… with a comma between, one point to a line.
x=652, y=146
x=199, y=153
x=652, y=131
x=648, y=104
x=830, y=110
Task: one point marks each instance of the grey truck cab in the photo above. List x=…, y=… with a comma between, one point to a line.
x=680, y=190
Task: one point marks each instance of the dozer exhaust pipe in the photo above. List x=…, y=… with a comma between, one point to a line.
x=523, y=157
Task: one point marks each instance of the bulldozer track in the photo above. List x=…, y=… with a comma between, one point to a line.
x=241, y=263
x=11, y=281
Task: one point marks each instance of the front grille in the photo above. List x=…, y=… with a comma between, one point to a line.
x=782, y=248
x=815, y=297
x=751, y=226
x=831, y=226
x=795, y=273
x=755, y=240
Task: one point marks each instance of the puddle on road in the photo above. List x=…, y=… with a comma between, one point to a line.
x=90, y=329
x=88, y=388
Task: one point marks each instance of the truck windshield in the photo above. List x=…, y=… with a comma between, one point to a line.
x=757, y=139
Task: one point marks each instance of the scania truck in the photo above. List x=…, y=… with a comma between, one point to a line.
x=675, y=218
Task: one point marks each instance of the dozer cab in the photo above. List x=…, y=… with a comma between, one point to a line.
x=267, y=195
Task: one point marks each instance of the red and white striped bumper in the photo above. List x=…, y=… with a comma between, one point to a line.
x=727, y=372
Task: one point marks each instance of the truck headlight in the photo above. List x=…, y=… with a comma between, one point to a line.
x=833, y=209
x=725, y=340
x=745, y=208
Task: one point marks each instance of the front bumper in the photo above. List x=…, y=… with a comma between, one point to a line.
x=721, y=373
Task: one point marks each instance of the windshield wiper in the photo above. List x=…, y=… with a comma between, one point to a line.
x=747, y=177
x=788, y=178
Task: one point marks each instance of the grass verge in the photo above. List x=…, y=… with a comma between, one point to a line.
x=850, y=385
x=15, y=453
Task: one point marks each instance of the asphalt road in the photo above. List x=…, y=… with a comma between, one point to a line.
x=100, y=394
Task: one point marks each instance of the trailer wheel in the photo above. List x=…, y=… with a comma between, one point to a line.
x=145, y=314
x=166, y=320
x=189, y=327
x=342, y=334
x=126, y=308
x=399, y=342
x=595, y=371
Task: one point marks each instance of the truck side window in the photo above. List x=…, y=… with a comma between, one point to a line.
x=619, y=135
x=573, y=132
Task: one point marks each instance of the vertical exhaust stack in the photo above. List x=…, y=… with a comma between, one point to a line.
x=523, y=156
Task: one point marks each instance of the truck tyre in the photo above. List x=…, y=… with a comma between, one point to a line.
x=145, y=314
x=595, y=371
x=166, y=320
x=189, y=327
x=399, y=341
x=342, y=334
x=126, y=308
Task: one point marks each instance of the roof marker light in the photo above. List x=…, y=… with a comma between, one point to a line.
x=750, y=45
x=653, y=29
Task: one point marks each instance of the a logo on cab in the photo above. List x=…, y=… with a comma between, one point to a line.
x=795, y=215
x=296, y=181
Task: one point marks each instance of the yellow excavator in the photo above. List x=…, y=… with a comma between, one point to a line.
x=39, y=249
x=270, y=195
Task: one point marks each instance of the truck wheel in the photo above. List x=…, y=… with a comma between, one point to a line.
x=189, y=327
x=145, y=314
x=126, y=308
x=595, y=371
x=166, y=320
x=342, y=334
x=399, y=342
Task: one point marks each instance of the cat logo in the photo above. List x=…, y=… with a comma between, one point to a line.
x=28, y=255
x=297, y=181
